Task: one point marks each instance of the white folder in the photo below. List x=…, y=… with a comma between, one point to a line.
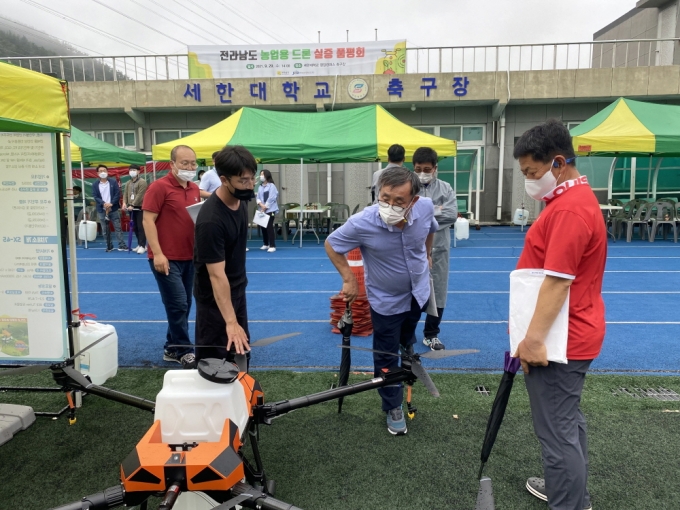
x=261, y=219
x=524, y=287
x=193, y=210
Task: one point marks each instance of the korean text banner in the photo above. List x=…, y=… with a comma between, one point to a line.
x=261, y=61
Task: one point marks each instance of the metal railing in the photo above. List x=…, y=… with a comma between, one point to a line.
x=541, y=57
x=453, y=59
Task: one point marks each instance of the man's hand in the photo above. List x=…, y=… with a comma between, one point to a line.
x=161, y=264
x=107, y=205
x=350, y=290
x=531, y=352
x=429, y=260
x=237, y=337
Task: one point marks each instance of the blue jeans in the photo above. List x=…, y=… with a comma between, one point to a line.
x=114, y=216
x=175, y=290
x=390, y=331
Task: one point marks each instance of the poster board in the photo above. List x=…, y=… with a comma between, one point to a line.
x=32, y=280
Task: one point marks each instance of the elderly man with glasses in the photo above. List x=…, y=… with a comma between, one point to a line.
x=170, y=241
x=395, y=237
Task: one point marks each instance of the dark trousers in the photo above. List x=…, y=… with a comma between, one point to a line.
x=175, y=290
x=113, y=217
x=431, y=329
x=211, y=329
x=136, y=216
x=389, y=332
x=268, y=234
x=555, y=398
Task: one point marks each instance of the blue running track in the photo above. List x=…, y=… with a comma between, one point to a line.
x=289, y=291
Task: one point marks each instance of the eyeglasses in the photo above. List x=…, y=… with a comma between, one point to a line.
x=395, y=208
x=186, y=165
x=244, y=181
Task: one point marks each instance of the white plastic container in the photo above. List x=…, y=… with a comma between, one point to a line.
x=461, y=228
x=192, y=408
x=101, y=361
x=87, y=230
x=521, y=217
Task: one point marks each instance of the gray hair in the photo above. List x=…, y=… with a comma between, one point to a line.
x=398, y=176
x=173, y=152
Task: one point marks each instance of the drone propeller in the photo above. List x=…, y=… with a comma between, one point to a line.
x=34, y=369
x=262, y=342
x=416, y=366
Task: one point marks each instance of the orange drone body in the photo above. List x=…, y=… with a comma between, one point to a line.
x=206, y=466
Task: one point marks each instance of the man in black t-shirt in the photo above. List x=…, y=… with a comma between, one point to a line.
x=220, y=259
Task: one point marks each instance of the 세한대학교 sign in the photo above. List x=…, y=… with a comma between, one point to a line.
x=260, y=61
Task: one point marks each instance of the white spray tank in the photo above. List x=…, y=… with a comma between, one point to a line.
x=461, y=228
x=87, y=230
x=194, y=404
x=101, y=361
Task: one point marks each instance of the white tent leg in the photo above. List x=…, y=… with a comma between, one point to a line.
x=73, y=264
x=329, y=181
x=301, y=204
x=479, y=173
x=656, y=178
x=633, y=169
x=82, y=180
x=455, y=169
x=610, y=184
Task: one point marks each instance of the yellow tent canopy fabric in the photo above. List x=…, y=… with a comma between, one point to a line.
x=32, y=102
x=354, y=135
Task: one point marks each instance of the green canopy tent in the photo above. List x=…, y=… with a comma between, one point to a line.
x=633, y=129
x=88, y=150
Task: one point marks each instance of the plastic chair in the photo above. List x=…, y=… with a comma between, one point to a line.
x=665, y=215
x=641, y=218
x=339, y=215
x=616, y=219
x=287, y=218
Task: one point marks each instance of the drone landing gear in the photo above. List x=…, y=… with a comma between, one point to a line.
x=411, y=408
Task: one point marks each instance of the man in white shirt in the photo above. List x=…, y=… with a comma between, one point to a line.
x=210, y=181
x=395, y=157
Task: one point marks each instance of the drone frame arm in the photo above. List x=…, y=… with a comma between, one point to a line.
x=266, y=412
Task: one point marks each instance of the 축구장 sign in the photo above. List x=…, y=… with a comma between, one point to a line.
x=261, y=61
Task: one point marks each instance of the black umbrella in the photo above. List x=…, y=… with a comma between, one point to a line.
x=345, y=325
x=498, y=409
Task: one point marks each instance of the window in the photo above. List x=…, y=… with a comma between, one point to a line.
x=163, y=135
x=572, y=125
x=469, y=139
x=123, y=139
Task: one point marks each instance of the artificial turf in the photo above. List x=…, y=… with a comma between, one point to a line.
x=322, y=460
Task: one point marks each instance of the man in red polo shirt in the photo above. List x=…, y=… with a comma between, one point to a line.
x=569, y=242
x=170, y=239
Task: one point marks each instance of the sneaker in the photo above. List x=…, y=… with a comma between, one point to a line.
x=396, y=424
x=271, y=250
x=434, y=343
x=122, y=248
x=109, y=249
x=141, y=249
x=264, y=247
x=171, y=356
x=536, y=487
x=188, y=361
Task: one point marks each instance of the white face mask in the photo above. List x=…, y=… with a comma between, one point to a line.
x=185, y=175
x=263, y=178
x=538, y=188
x=133, y=173
x=103, y=175
x=425, y=178
x=390, y=216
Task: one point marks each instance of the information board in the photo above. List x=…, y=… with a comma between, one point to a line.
x=32, y=304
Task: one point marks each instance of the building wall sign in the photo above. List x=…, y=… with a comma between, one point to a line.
x=357, y=88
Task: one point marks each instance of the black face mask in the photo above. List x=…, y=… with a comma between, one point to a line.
x=242, y=194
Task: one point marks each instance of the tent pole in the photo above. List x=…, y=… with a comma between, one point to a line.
x=633, y=169
x=501, y=162
x=73, y=264
x=82, y=180
x=649, y=175
x=479, y=173
x=154, y=170
x=656, y=178
x=455, y=185
x=329, y=180
x=301, y=201
x=610, y=184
